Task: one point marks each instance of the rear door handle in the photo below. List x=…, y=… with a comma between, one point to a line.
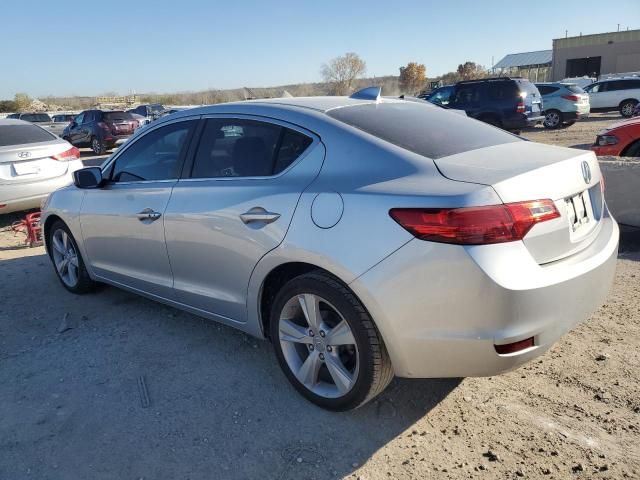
x=148, y=214
x=259, y=214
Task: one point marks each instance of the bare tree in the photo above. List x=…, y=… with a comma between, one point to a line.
x=22, y=102
x=342, y=71
x=413, y=77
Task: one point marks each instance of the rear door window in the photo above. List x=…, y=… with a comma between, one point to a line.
x=547, y=89
x=426, y=130
x=467, y=94
x=233, y=147
x=21, y=134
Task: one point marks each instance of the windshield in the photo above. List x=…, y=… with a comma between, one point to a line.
x=422, y=129
x=36, y=117
x=156, y=107
x=21, y=134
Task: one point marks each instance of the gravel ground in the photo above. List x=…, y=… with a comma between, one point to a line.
x=110, y=385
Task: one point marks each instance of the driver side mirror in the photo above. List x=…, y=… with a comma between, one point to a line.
x=90, y=177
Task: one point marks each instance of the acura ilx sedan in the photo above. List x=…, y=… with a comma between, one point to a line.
x=366, y=237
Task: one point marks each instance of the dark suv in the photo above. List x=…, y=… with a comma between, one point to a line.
x=100, y=130
x=505, y=102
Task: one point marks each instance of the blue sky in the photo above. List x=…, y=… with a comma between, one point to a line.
x=62, y=47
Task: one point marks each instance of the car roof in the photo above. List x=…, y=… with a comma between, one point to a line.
x=318, y=104
x=14, y=121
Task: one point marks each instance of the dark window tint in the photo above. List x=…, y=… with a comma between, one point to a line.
x=425, y=130
x=627, y=84
x=467, y=94
x=14, y=115
x=574, y=88
x=19, y=134
x=36, y=117
x=89, y=117
x=154, y=156
x=502, y=90
x=246, y=148
x=547, y=89
x=116, y=116
x=292, y=145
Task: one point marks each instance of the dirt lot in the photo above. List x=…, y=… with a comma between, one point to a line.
x=215, y=404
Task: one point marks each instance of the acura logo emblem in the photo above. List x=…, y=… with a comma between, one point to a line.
x=586, y=172
x=24, y=154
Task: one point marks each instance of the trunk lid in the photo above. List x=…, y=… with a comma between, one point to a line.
x=524, y=171
x=31, y=162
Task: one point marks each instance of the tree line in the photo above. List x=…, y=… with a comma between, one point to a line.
x=341, y=76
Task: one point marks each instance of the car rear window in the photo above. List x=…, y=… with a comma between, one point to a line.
x=116, y=116
x=574, y=88
x=20, y=134
x=36, y=117
x=426, y=130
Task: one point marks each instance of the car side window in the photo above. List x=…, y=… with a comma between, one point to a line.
x=79, y=118
x=467, y=94
x=156, y=155
x=502, y=90
x=246, y=148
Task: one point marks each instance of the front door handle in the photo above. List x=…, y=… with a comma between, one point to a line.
x=148, y=214
x=259, y=214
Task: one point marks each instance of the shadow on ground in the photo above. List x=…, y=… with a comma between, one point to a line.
x=75, y=371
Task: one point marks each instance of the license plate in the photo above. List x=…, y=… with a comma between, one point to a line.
x=577, y=211
x=26, y=168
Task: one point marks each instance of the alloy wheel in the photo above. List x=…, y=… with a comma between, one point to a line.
x=627, y=109
x=318, y=346
x=65, y=257
x=552, y=120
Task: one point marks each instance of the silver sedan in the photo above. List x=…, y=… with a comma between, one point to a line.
x=33, y=163
x=366, y=237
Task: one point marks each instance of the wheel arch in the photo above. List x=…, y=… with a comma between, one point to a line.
x=274, y=280
x=630, y=99
x=46, y=228
x=628, y=147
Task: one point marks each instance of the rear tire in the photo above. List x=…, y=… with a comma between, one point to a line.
x=98, y=146
x=627, y=107
x=553, y=119
x=327, y=344
x=67, y=260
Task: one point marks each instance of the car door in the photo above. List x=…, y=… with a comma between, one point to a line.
x=122, y=222
x=600, y=96
x=75, y=129
x=467, y=97
x=234, y=206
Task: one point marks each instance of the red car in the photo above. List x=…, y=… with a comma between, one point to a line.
x=620, y=139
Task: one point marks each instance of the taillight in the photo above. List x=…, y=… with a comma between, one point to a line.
x=571, y=98
x=72, y=154
x=520, y=107
x=475, y=225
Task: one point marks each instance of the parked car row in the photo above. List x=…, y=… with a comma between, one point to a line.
x=514, y=103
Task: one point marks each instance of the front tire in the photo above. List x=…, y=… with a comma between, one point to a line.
x=327, y=344
x=552, y=119
x=67, y=260
x=98, y=146
x=632, y=150
x=627, y=107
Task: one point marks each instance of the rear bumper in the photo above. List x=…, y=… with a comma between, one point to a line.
x=574, y=115
x=28, y=195
x=521, y=120
x=441, y=309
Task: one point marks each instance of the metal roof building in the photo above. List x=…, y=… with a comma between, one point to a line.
x=536, y=66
